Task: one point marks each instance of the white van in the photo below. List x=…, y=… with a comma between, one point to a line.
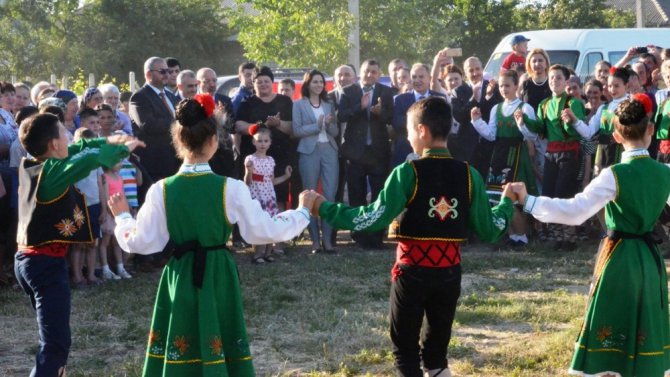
x=581, y=49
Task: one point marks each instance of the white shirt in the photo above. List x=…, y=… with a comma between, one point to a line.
x=149, y=234
x=575, y=211
x=587, y=131
x=318, y=112
x=488, y=131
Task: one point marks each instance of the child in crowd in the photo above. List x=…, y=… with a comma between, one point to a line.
x=93, y=190
x=88, y=118
x=510, y=161
x=516, y=60
x=445, y=200
x=107, y=119
x=198, y=325
x=601, y=72
x=113, y=185
x=626, y=330
x=52, y=216
x=561, y=164
x=259, y=175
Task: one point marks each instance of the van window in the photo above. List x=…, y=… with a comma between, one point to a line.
x=615, y=56
x=567, y=58
x=589, y=65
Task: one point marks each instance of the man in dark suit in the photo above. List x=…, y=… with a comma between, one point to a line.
x=484, y=96
x=345, y=75
x=366, y=107
x=187, y=85
x=420, y=75
x=223, y=161
x=152, y=110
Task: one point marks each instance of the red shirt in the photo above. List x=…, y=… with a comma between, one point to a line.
x=515, y=62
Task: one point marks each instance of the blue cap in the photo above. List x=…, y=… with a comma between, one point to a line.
x=518, y=39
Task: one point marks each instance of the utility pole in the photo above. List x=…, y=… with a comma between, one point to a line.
x=639, y=15
x=354, y=35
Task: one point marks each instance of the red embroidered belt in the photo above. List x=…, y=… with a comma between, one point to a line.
x=58, y=250
x=437, y=254
x=257, y=177
x=563, y=146
x=664, y=147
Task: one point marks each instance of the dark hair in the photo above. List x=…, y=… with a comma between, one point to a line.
x=192, y=128
x=55, y=110
x=6, y=87
x=86, y=113
x=596, y=83
x=172, y=62
x=631, y=119
x=307, y=80
x=246, y=65
x=125, y=96
x=36, y=133
x=433, y=112
x=370, y=62
x=263, y=71
x=104, y=107
x=562, y=68
x=84, y=133
x=288, y=82
x=648, y=55
x=451, y=68
x=25, y=113
x=622, y=73
x=512, y=74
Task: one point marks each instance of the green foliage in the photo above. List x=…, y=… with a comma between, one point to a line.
x=112, y=37
x=306, y=33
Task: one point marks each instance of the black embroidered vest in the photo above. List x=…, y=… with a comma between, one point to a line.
x=440, y=207
x=64, y=219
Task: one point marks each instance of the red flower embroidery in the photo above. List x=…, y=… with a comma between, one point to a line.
x=66, y=227
x=216, y=345
x=603, y=333
x=181, y=344
x=78, y=216
x=154, y=336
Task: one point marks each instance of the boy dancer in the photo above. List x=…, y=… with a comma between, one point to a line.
x=53, y=215
x=444, y=199
x=555, y=116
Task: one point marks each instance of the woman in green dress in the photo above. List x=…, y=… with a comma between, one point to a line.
x=198, y=326
x=625, y=331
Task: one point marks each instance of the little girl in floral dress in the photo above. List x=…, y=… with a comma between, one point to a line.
x=259, y=176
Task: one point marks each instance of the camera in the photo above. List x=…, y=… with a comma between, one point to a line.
x=641, y=50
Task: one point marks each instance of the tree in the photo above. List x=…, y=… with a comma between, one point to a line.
x=299, y=33
x=110, y=36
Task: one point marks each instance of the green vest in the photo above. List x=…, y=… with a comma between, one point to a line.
x=506, y=126
x=200, y=217
x=643, y=187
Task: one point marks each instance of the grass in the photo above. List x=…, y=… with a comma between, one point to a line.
x=325, y=315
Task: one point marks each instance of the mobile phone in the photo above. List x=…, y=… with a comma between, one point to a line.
x=641, y=50
x=454, y=52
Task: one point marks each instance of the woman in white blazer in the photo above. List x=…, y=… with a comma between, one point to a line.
x=315, y=124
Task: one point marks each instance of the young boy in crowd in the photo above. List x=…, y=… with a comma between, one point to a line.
x=52, y=216
x=556, y=117
x=444, y=199
x=89, y=118
x=516, y=60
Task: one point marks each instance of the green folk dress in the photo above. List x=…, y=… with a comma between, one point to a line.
x=198, y=327
x=626, y=331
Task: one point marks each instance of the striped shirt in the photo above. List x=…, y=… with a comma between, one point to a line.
x=128, y=173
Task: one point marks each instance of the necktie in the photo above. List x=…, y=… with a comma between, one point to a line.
x=421, y=97
x=162, y=96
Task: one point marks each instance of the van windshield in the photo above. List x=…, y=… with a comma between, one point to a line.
x=567, y=58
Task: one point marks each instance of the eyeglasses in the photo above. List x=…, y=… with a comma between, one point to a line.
x=163, y=71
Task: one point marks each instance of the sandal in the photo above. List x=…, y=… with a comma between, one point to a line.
x=257, y=260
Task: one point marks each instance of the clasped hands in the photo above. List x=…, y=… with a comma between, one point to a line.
x=516, y=191
x=311, y=200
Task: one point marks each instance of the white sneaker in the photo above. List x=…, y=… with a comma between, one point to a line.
x=109, y=275
x=124, y=274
